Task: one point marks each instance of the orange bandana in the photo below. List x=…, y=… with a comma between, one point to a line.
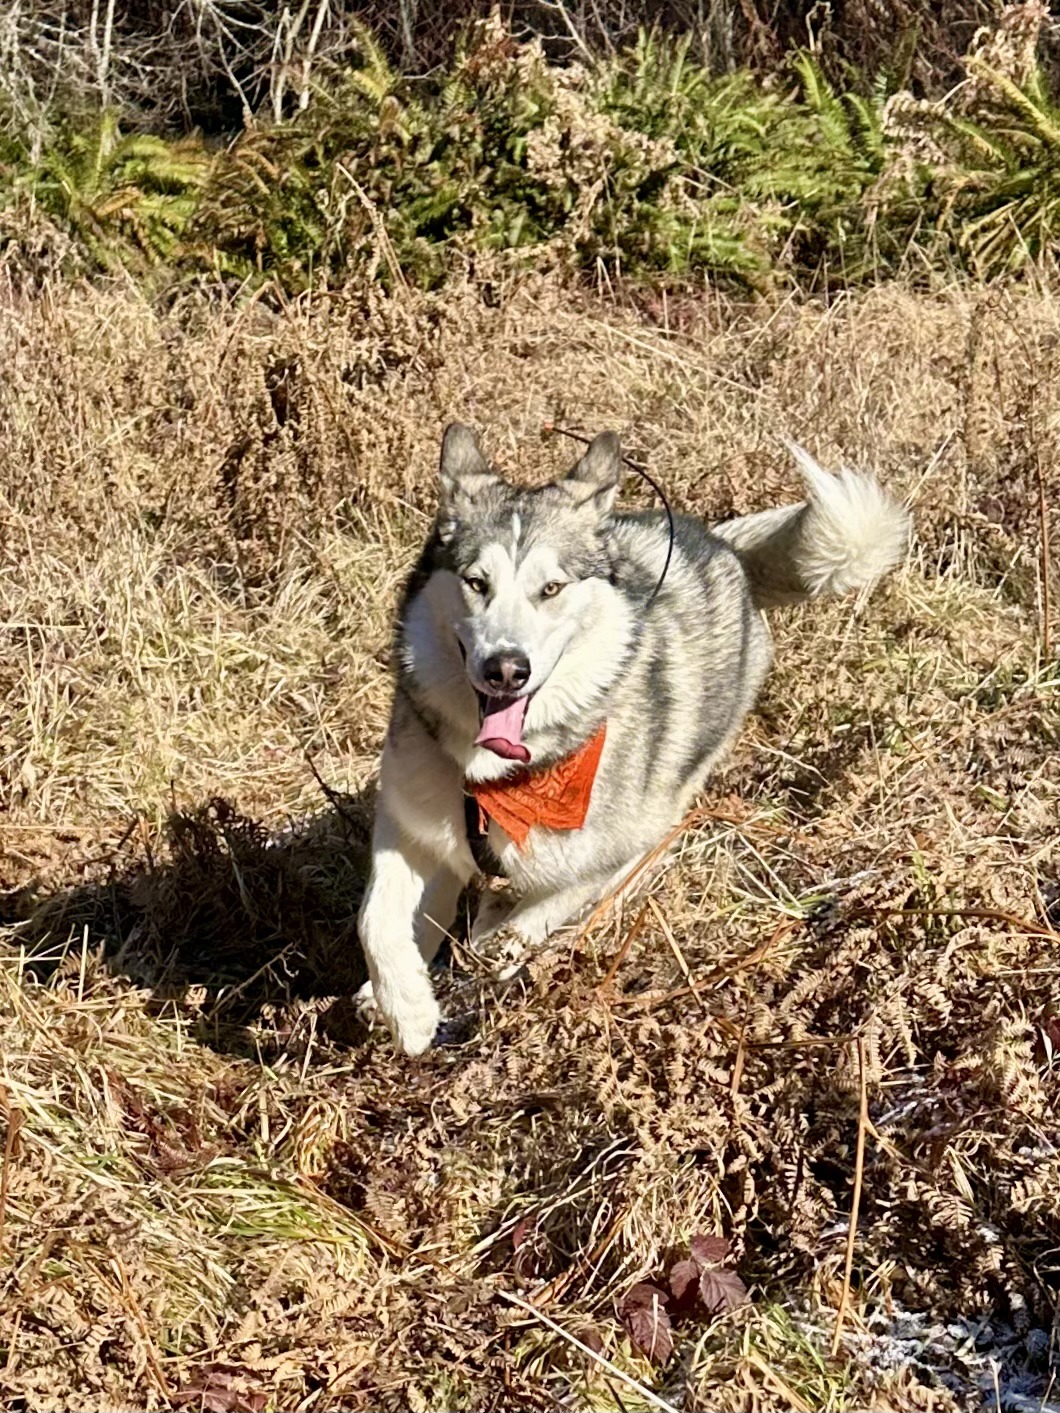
x=557, y=798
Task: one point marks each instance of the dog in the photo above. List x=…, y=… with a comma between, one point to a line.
x=545, y=673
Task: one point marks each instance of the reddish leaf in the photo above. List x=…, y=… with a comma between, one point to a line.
x=530, y=1248
x=684, y=1283
x=645, y=1294
x=708, y=1250
x=590, y=1337
x=721, y=1290
x=524, y=1229
x=188, y=1127
x=216, y=1390
x=647, y=1323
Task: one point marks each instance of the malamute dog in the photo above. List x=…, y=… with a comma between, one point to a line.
x=543, y=671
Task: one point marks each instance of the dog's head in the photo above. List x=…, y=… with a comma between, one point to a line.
x=529, y=566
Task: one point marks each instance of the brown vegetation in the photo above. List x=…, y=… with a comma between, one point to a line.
x=218, y=1191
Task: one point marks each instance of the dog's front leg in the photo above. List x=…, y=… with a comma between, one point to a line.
x=420, y=861
x=401, y=873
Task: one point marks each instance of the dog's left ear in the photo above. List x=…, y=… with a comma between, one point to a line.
x=595, y=479
x=463, y=470
x=463, y=474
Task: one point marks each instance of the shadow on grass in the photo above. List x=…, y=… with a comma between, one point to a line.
x=233, y=923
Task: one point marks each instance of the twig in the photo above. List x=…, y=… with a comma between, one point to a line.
x=311, y=48
x=104, y=61
x=723, y=973
x=679, y=956
x=1034, y=429
x=699, y=815
x=646, y=1393
x=560, y=9
x=616, y=1396
x=334, y=797
x=1043, y=517
x=859, y=1168
x=1032, y=929
x=386, y=245
x=805, y=1042
x=229, y=996
x=779, y=1385
x=14, y=1124
x=623, y=951
x=555, y=1287
x=132, y=1308
x=12, y=1343
x=604, y=905
x=738, y=1064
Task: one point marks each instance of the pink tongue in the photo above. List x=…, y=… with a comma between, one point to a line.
x=502, y=730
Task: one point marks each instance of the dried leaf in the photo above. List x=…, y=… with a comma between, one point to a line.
x=645, y=1293
x=721, y=1290
x=1051, y=1031
x=684, y=1283
x=710, y=1250
x=524, y=1229
x=216, y=1390
x=647, y=1322
x=531, y=1251
x=590, y=1337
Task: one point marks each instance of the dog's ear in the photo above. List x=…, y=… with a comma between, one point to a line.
x=594, y=480
x=463, y=471
x=463, y=474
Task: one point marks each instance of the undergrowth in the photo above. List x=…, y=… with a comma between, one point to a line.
x=220, y=1190
x=641, y=165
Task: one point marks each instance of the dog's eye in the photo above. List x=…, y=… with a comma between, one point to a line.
x=476, y=585
x=551, y=589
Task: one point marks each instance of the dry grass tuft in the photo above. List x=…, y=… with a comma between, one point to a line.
x=218, y=1191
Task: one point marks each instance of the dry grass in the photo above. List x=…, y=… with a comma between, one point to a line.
x=218, y=1192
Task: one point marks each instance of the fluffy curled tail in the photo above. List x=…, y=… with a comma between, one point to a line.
x=847, y=534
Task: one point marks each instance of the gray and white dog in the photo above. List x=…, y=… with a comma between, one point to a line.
x=531, y=622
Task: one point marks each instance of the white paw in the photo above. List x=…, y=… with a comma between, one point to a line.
x=411, y=1012
x=365, y=1003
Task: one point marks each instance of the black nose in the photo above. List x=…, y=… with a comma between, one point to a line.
x=506, y=672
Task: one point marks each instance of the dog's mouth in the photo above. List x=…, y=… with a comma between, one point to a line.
x=500, y=722
x=501, y=729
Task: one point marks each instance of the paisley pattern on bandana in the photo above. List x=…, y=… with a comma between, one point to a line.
x=556, y=798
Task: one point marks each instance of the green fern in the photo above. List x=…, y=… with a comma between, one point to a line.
x=646, y=164
x=127, y=198
x=999, y=187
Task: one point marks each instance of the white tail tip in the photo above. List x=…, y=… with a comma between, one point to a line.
x=853, y=531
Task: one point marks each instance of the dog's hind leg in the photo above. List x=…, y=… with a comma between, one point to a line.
x=536, y=916
x=437, y=912
x=494, y=910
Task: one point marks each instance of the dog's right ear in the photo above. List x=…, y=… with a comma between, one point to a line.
x=463, y=474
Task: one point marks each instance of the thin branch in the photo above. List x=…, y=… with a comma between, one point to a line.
x=623, y=951
x=14, y=1123
x=1043, y=520
x=859, y=1169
